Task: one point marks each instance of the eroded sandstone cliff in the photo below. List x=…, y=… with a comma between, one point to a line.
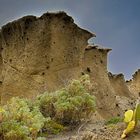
x=39, y=54
x=134, y=84
x=95, y=64
x=43, y=54
x=124, y=98
x=118, y=83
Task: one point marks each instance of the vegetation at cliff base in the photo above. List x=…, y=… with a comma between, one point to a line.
x=113, y=120
x=23, y=119
x=68, y=105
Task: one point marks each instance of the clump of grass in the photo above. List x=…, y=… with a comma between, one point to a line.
x=114, y=120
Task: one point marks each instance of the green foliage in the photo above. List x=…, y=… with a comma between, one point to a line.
x=70, y=104
x=41, y=138
x=13, y=130
x=52, y=127
x=22, y=119
x=137, y=115
x=114, y=120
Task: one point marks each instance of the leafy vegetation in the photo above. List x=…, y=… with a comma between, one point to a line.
x=131, y=118
x=22, y=119
x=69, y=105
x=114, y=120
x=52, y=127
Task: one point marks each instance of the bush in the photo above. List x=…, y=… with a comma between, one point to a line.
x=20, y=121
x=13, y=130
x=70, y=104
x=52, y=127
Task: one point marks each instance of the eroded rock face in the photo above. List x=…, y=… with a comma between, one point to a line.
x=95, y=64
x=43, y=54
x=134, y=84
x=39, y=54
x=118, y=83
x=124, y=98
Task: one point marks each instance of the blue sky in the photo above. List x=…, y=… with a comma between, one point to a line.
x=115, y=22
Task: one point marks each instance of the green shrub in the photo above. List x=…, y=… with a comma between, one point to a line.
x=114, y=120
x=13, y=130
x=70, y=104
x=52, y=127
x=41, y=138
x=20, y=121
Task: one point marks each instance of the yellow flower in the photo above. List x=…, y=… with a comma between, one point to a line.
x=128, y=116
x=123, y=135
x=131, y=117
x=30, y=128
x=1, y=110
x=130, y=127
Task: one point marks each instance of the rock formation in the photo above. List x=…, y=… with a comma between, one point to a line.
x=124, y=98
x=95, y=64
x=118, y=83
x=134, y=84
x=40, y=54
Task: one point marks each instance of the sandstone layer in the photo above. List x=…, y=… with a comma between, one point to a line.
x=95, y=64
x=118, y=83
x=44, y=53
x=39, y=54
x=134, y=84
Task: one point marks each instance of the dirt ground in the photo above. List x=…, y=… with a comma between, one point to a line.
x=97, y=131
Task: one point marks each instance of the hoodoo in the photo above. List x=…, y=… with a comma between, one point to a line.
x=39, y=54
x=134, y=84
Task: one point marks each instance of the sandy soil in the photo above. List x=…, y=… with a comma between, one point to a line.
x=97, y=131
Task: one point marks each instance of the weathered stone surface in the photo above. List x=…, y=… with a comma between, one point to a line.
x=43, y=54
x=118, y=83
x=95, y=64
x=134, y=84
x=40, y=54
